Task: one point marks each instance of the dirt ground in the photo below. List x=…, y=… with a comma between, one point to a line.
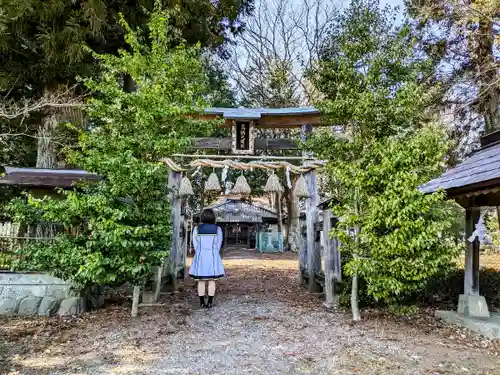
x=263, y=323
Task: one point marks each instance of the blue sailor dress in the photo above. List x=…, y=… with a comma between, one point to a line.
x=207, y=262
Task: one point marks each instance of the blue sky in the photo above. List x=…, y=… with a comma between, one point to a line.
x=393, y=3
x=383, y=3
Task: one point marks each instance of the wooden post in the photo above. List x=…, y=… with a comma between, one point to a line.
x=157, y=277
x=278, y=211
x=257, y=231
x=135, y=300
x=337, y=262
x=293, y=226
x=471, y=282
x=185, y=246
x=356, y=316
x=302, y=258
x=305, y=130
x=330, y=248
x=313, y=253
x=174, y=181
x=317, y=250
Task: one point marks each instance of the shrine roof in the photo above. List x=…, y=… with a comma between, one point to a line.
x=478, y=172
x=258, y=113
x=39, y=177
x=237, y=211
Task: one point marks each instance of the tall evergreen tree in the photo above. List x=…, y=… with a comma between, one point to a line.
x=45, y=44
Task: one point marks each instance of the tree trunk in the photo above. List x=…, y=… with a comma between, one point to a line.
x=46, y=152
x=486, y=74
x=356, y=316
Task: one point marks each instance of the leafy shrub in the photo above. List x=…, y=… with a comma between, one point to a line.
x=441, y=292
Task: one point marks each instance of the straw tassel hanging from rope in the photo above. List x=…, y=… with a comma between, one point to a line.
x=212, y=184
x=185, y=188
x=273, y=184
x=300, y=190
x=241, y=186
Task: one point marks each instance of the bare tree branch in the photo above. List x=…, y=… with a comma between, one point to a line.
x=12, y=109
x=283, y=34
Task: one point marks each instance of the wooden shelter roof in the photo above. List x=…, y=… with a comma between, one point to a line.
x=478, y=175
x=237, y=211
x=45, y=178
x=258, y=113
x=480, y=171
x=268, y=117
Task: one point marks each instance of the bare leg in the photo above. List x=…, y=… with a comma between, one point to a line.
x=211, y=292
x=201, y=292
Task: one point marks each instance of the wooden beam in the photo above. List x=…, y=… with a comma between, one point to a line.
x=212, y=143
x=247, y=157
x=471, y=282
x=224, y=144
x=275, y=144
x=290, y=121
x=465, y=191
x=275, y=121
x=491, y=199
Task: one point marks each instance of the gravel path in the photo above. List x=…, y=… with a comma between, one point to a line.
x=262, y=324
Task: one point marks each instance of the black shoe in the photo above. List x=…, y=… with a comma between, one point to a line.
x=210, y=302
x=202, y=302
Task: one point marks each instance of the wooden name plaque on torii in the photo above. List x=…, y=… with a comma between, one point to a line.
x=244, y=123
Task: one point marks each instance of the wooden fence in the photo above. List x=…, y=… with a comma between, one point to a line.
x=327, y=269
x=14, y=236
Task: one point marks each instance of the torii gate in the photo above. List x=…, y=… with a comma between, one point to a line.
x=245, y=145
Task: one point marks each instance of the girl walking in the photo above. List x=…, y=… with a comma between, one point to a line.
x=207, y=263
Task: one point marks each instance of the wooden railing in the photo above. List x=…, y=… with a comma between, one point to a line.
x=13, y=236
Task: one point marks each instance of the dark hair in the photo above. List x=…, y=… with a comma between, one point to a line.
x=207, y=216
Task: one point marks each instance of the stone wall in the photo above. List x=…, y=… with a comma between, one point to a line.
x=37, y=294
